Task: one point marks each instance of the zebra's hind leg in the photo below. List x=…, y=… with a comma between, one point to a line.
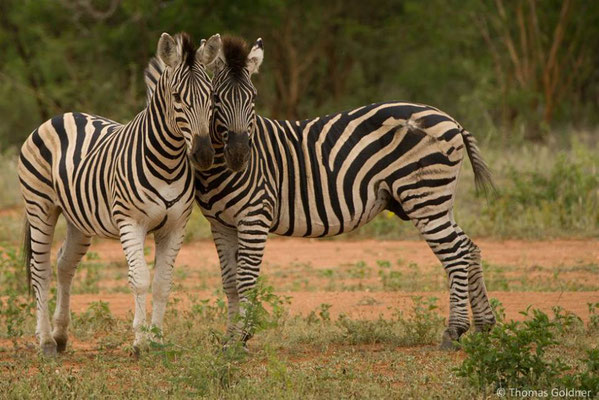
x=482, y=313
x=42, y=221
x=71, y=252
x=132, y=240
x=226, y=246
x=454, y=252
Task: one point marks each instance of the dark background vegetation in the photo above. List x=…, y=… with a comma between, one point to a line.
x=521, y=75
x=509, y=70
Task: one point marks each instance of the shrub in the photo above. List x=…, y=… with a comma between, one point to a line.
x=515, y=355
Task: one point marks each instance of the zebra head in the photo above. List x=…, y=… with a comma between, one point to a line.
x=183, y=91
x=233, y=97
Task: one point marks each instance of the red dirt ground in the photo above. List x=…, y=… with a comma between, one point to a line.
x=200, y=258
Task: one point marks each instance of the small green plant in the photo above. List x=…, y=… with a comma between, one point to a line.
x=13, y=279
x=367, y=332
x=424, y=324
x=166, y=350
x=14, y=313
x=96, y=318
x=217, y=311
x=323, y=314
x=88, y=276
x=359, y=270
x=255, y=317
x=391, y=280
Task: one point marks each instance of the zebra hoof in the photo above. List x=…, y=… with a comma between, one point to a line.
x=450, y=340
x=61, y=344
x=49, y=348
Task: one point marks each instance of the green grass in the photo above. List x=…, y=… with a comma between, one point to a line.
x=310, y=357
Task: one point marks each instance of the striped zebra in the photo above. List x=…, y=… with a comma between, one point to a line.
x=118, y=181
x=329, y=175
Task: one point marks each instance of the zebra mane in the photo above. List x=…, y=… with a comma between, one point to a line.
x=152, y=75
x=156, y=67
x=236, y=51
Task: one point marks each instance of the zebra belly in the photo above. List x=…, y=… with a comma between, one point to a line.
x=310, y=222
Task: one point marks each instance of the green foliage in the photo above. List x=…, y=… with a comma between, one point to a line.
x=421, y=327
x=424, y=324
x=87, y=56
x=323, y=315
x=562, y=198
x=254, y=316
x=14, y=313
x=587, y=380
x=517, y=354
x=97, y=318
x=593, y=317
x=13, y=278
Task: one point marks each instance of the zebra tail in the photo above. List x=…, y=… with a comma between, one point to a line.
x=482, y=174
x=27, y=254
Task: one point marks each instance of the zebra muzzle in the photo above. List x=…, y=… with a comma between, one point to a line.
x=237, y=150
x=202, y=153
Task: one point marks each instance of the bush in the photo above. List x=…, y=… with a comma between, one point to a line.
x=515, y=355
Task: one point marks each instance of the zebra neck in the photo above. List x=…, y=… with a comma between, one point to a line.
x=163, y=151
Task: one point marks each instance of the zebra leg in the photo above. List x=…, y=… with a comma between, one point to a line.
x=482, y=313
x=42, y=222
x=226, y=247
x=71, y=252
x=168, y=244
x=455, y=253
x=132, y=239
x=251, y=243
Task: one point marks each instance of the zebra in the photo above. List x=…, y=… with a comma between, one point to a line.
x=118, y=181
x=329, y=175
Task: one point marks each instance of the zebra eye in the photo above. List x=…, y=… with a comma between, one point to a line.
x=177, y=97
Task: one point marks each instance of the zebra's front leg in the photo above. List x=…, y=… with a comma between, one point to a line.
x=251, y=243
x=168, y=244
x=42, y=231
x=71, y=252
x=132, y=239
x=225, y=240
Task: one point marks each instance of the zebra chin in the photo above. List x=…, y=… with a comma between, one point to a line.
x=202, y=153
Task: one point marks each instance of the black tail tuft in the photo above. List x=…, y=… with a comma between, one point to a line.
x=482, y=175
x=27, y=255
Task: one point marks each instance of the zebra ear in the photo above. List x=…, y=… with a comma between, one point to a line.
x=255, y=57
x=209, y=49
x=168, y=51
x=217, y=63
